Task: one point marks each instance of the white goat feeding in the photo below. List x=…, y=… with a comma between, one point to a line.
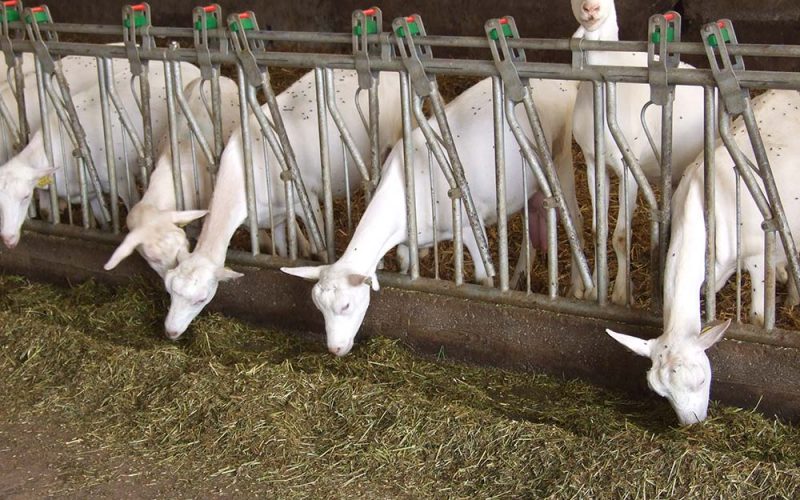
x=154, y=224
x=681, y=371
x=193, y=283
x=342, y=291
x=20, y=175
x=598, y=19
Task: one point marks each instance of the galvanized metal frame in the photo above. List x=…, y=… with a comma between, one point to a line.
x=418, y=68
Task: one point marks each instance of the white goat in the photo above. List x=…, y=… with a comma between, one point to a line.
x=342, y=294
x=598, y=19
x=154, y=223
x=21, y=174
x=80, y=72
x=193, y=283
x=681, y=371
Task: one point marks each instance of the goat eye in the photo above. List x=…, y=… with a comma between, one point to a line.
x=346, y=307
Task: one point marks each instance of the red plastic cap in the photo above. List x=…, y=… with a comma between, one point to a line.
x=209, y=8
x=721, y=24
x=669, y=16
x=138, y=8
x=38, y=9
x=244, y=15
x=503, y=20
x=10, y=3
x=410, y=19
x=369, y=12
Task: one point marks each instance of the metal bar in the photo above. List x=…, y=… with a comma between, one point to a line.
x=174, y=147
x=500, y=177
x=764, y=50
x=666, y=186
x=408, y=165
x=601, y=208
x=374, y=135
x=325, y=163
x=247, y=152
x=55, y=216
x=709, y=173
x=477, y=68
x=108, y=137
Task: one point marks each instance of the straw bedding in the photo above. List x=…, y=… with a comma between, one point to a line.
x=270, y=412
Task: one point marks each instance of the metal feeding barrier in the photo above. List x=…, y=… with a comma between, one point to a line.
x=407, y=50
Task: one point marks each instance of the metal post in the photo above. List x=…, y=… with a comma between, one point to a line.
x=247, y=151
x=408, y=165
x=500, y=176
x=709, y=173
x=325, y=163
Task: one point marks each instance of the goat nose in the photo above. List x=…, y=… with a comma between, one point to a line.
x=10, y=241
x=171, y=335
x=590, y=7
x=337, y=351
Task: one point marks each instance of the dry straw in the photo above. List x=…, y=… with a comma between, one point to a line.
x=273, y=412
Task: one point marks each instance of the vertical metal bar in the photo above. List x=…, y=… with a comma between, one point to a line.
x=195, y=172
x=500, y=178
x=709, y=173
x=129, y=183
x=216, y=119
x=738, y=245
x=268, y=178
x=55, y=216
x=103, y=66
x=374, y=133
x=526, y=225
x=147, y=124
x=601, y=210
x=244, y=116
x=325, y=162
x=769, y=278
x=85, y=213
x=347, y=196
x=666, y=185
x=552, y=251
x=19, y=94
x=65, y=160
x=408, y=164
x=458, y=240
x=174, y=147
x=434, y=215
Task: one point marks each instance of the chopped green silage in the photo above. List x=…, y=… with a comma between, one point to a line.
x=275, y=414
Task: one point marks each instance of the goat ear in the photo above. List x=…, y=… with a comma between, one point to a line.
x=307, y=273
x=43, y=178
x=359, y=279
x=639, y=346
x=183, y=217
x=227, y=274
x=712, y=334
x=124, y=249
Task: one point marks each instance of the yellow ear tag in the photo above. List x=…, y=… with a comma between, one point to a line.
x=45, y=181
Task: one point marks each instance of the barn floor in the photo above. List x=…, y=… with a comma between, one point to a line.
x=94, y=403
